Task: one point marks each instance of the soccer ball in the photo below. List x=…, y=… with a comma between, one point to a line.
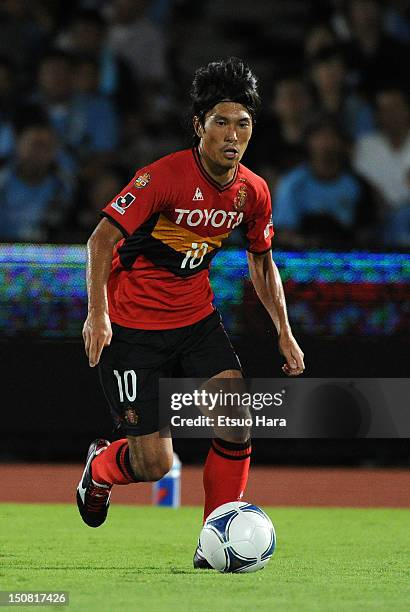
x=237, y=537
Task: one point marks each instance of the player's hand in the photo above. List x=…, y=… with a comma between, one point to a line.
x=293, y=354
x=97, y=333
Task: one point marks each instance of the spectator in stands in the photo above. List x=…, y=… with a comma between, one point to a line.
x=135, y=38
x=87, y=36
x=317, y=38
x=99, y=113
x=328, y=74
x=35, y=195
x=278, y=141
x=93, y=194
x=141, y=43
x=383, y=157
x=86, y=123
x=396, y=226
x=146, y=138
x=372, y=55
x=322, y=202
x=398, y=20
x=23, y=35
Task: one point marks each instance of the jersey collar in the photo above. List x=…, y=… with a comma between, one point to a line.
x=209, y=178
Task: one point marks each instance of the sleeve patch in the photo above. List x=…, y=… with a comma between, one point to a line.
x=123, y=202
x=267, y=231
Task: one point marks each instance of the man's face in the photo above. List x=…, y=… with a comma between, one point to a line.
x=37, y=148
x=225, y=133
x=325, y=144
x=55, y=79
x=365, y=14
x=392, y=111
x=291, y=100
x=330, y=74
x=318, y=38
x=87, y=36
x=86, y=78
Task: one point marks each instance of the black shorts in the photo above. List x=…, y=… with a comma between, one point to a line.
x=130, y=368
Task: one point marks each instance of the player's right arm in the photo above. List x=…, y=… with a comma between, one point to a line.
x=147, y=193
x=97, y=327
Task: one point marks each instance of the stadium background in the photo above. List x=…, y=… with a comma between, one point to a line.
x=110, y=78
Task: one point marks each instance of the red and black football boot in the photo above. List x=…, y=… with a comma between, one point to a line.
x=93, y=499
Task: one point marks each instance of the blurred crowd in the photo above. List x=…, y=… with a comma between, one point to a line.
x=92, y=90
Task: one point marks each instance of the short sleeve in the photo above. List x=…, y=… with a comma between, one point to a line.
x=259, y=226
x=144, y=196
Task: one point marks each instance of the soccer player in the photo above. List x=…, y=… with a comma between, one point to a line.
x=149, y=297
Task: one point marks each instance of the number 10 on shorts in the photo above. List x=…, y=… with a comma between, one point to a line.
x=127, y=384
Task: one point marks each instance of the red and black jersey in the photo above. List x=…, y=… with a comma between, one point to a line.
x=174, y=218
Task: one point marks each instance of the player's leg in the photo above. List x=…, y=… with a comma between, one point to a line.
x=211, y=355
x=226, y=468
x=129, y=372
x=227, y=465
x=133, y=459
x=144, y=458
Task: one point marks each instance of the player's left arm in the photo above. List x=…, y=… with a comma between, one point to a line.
x=266, y=279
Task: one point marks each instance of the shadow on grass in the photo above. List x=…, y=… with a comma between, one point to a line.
x=129, y=569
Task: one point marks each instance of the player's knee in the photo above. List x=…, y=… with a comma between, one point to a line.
x=237, y=436
x=156, y=471
x=151, y=470
x=239, y=430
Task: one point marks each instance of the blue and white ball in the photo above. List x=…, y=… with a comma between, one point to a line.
x=237, y=537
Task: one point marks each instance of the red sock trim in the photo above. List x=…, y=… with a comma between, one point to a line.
x=123, y=462
x=128, y=466
x=229, y=450
x=233, y=445
x=112, y=465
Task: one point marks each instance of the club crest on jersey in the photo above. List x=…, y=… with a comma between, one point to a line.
x=123, y=202
x=131, y=416
x=240, y=199
x=143, y=180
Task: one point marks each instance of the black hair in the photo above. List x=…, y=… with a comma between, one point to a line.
x=226, y=80
x=323, y=120
x=29, y=114
x=90, y=17
x=318, y=25
x=286, y=76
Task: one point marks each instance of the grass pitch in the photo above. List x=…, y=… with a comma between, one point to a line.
x=326, y=560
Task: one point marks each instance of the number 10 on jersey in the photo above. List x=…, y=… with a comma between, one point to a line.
x=193, y=255
x=127, y=383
